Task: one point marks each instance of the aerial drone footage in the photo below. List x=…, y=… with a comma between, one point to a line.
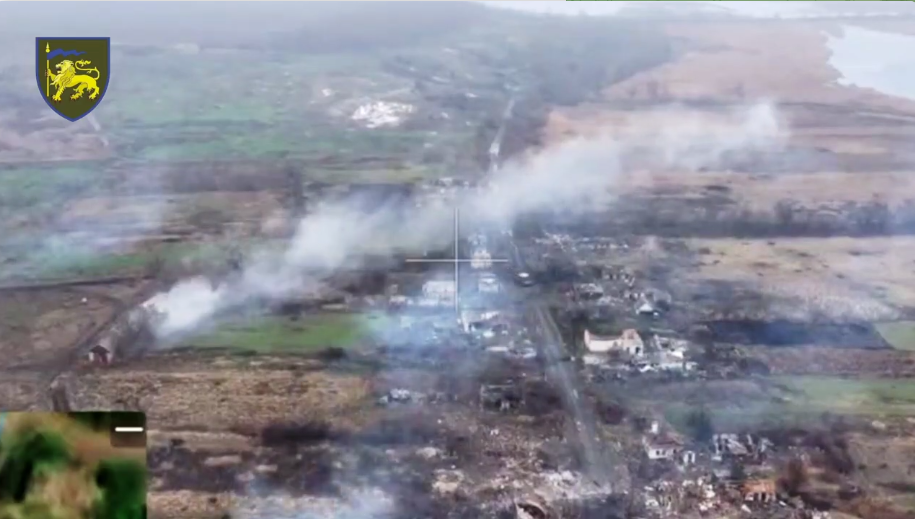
x=397, y=260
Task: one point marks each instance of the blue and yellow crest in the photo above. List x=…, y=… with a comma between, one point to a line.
x=72, y=73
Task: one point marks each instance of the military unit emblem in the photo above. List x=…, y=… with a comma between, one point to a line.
x=72, y=73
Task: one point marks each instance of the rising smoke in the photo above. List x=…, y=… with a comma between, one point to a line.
x=578, y=175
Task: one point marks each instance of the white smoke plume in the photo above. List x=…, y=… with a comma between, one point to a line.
x=697, y=142
x=186, y=305
x=578, y=175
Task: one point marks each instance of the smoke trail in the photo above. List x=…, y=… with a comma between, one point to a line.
x=575, y=176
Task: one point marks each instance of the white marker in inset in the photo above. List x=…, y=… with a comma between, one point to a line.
x=128, y=429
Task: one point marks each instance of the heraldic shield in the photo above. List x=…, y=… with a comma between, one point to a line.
x=73, y=73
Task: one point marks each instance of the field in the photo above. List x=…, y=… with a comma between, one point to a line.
x=900, y=334
x=838, y=147
x=214, y=409
x=205, y=148
x=223, y=393
x=877, y=397
x=181, y=165
x=731, y=62
x=21, y=390
x=310, y=333
x=812, y=360
x=853, y=275
x=41, y=326
x=800, y=401
x=886, y=467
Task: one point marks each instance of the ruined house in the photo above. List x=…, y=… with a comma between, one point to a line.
x=439, y=291
x=629, y=343
x=661, y=447
x=129, y=335
x=647, y=309
x=488, y=284
x=477, y=320
x=501, y=397
x=670, y=361
x=759, y=490
x=662, y=442
x=589, y=291
x=741, y=446
x=101, y=353
x=728, y=444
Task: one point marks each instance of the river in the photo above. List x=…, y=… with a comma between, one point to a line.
x=878, y=60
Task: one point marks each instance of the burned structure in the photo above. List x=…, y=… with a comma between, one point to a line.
x=132, y=333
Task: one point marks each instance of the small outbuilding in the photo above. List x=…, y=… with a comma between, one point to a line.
x=100, y=354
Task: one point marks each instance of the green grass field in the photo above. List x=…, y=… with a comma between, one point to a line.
x=277, y=335
x=248, y=104
x=289, y=140
x=900, y=334
x=803, y=400
x=56, y=265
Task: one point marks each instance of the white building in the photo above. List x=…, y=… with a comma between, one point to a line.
x=629, y=343
x=471, y=320
x=661, y=448
x=646, y=308
x=441, y=291
x=481, y=259
x=728, y=443
x=101, y=353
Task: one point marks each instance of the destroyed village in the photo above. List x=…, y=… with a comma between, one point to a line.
x=473, y=260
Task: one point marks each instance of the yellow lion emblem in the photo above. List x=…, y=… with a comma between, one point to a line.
x=67, y=77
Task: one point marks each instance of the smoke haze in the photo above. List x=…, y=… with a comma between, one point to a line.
x=578, y=175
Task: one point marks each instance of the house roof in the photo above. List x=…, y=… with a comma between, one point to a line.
x=594, y=337
x=665, y=441
x=630, y=338
x=657, y=443
x=646, y=307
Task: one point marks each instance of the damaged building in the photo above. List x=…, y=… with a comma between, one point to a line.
x=501, y=397
x=759, y=490
x=130, y=334
x=628, y=344
x=439, y=292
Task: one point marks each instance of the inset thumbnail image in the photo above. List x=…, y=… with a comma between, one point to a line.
x=70, y=466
